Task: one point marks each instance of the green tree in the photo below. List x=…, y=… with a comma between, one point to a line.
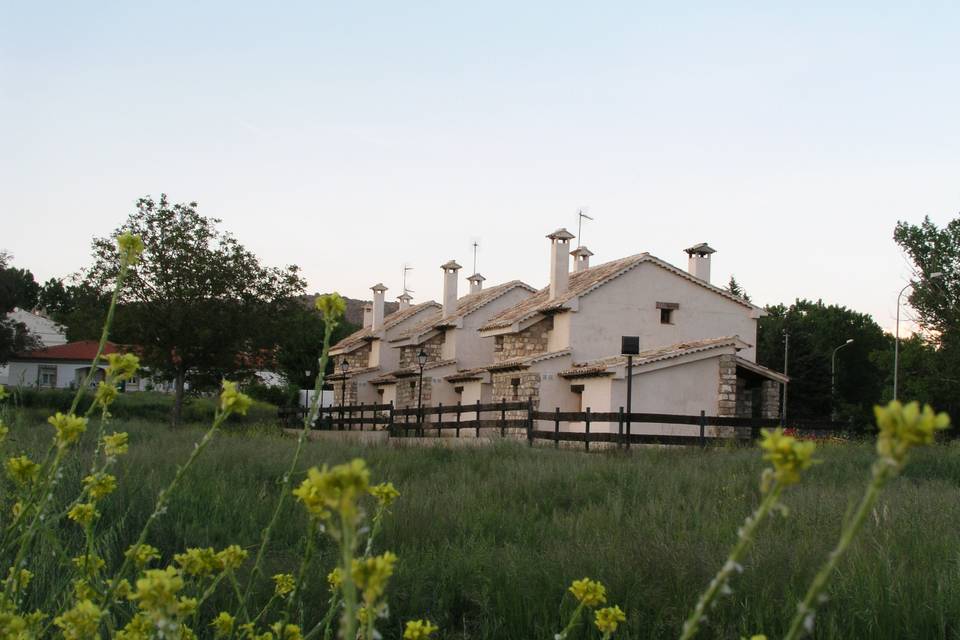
x=18, y=288
x=815, y=331
x=78, y=306
x=734, y=287
x=299, y=341
x=199, y=306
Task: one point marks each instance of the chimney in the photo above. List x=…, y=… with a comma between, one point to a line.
x=699, y=263
x=379, y=292
x=581, y=259
x=405, y=300
x=476, y=283
x=367, y=315
x=450, y=287
x=559, y=262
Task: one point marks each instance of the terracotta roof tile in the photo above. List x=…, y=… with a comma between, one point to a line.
x=358, y=338
x=666, y=352
x=83, y=350
x=526, y=361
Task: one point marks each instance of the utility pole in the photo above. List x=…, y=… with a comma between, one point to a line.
x=786, y=362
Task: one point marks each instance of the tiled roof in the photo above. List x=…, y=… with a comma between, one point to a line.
x=583, y=282
x=356, y=339
x=667, y=352
x=408, y=372
x=525, y=361
x=465, y=306
x=336, y=375
x=467, y=374
x=83, y=350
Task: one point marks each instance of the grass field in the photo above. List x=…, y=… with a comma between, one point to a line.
x=489, y=538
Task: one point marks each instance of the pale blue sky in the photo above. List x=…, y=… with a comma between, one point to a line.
x=350, y=138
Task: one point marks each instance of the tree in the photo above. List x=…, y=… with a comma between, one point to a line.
x=300, y=341
x=199, y=306
x=78, y=306
x=17, y=289
x=815, y=331
x=734, y=287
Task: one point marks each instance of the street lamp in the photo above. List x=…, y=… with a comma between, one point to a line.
x=344, y=367
x=896, y=341
x=306, y=391
x=833, y=376
x=422, y=361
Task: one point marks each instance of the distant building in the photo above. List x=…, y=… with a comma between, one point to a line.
x=64, y=366
x=48, y=332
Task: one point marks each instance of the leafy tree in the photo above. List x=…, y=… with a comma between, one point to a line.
x=734, y=287
x=78, y=306
x=815, y=331
x=199, y=305
x=17, y=289
x=300, y=340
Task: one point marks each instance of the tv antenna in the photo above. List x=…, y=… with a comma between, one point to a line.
x=406, y=268
x=476, y=246
x=581, y=214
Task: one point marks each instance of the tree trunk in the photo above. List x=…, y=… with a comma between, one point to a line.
x=178, y=399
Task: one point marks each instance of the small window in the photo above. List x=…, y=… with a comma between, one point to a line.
x=666, y=316
x=48, y=377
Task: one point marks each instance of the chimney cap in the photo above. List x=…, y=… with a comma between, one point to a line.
x=476, y=278
x=452, y=264
x=561, y=234
x=702, y=249
x=581, y=251
x=405, y=296
x=379, y=287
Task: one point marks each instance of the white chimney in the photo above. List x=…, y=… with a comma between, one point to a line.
x=699, y=263
x=559, y=262
x=476, y=283
x=450, y=287
x=379, y=296
x=405, y=300
x=367, y=315
x=581, y=259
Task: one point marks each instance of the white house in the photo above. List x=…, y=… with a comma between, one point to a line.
x=63, y=366
x=48, y=332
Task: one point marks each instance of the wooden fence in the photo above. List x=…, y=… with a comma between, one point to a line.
x=522, y=419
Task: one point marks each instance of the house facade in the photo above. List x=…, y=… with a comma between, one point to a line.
x=65, y=366
x=48, y=332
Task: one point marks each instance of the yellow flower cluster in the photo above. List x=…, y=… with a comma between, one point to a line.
x=122, y=366
x=231, y=557
x=89, y=564
x=607, y=619
x=157, y=590
x=287, y=631
x=198, y=562
x=116, y=444
x=80, y=622
x=588, y=592
x=100, y=485
x=69, y=428
x=105, y=395
x=419, y=630
x=232, y=401
x=385, y=493
x=223, y=625
x=902, y=427
x=371, y=575
x=334, y=489
x=332, y=306
x=83, y=513
x=283, y=583
x=335, y=579
x=130, y=247
x=788, y=455
x=143, y=554
x=22, y=470
x=20, y=580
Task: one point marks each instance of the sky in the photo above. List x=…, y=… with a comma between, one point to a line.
x=352, y=139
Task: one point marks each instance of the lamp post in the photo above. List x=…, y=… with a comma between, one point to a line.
x=422, y=361
x=306, y=391
x=629, y=346
x=344, y=367
x=896, y=340
x=786, y=362
x=833, y=377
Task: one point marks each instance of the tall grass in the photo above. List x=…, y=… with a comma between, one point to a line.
x=489, y=538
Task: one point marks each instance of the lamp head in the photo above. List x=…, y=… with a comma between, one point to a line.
x=422, y=357
x=344, y=365
x=849, y=341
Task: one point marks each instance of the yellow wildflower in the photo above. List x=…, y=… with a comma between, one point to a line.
x=286, y=631
x=83, y=591
x=20, y=579
x=385, y=493
x=83, y=513
x=589, y=592
x=187, y=606
x=122, y=592
x=419, y=630
x=788, y=455
x=608, y=618
x=337, y=488
x=231, y=558
x=332, y=306
x=335, y=578
x=283, y=583
x=157, y=589
x=223, y=625
x=116, y=444
x=105, y=394
x=122, y=366
x=902, y=427
x=100, y=485
x=142, y=554
x=371, y=574
x=130, y=247
x=22, y=470
x=81, y=622
x=232, y=401
x=198, y=562
x=16, y=509
x=89, y=564
x=139, y=628
x=69, y=428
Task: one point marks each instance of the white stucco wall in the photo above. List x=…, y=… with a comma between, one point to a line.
x=627, y=306
x=26, y=373
x=473, y=351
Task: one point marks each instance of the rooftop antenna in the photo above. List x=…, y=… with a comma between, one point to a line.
x=476, y=245
x=406, y=268
x=581, y=214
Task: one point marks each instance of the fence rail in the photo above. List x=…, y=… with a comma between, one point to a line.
x=523, y=418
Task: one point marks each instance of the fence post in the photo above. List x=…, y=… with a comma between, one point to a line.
x=439, y=417
x=458, y=418
x=703, y=428
x=478, y=418
x=390, y=427
x=530, y=421
x=629, y=428
x=586, y=439
x=361, y=416
x=556, y=430
x=620, y=429
x=503, y=418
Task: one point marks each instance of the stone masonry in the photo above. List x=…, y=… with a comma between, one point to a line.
x=432, y=347
x=770, y=399
x=407, y=390
x=727, y=391
x=529, y=342
x=356, y=359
